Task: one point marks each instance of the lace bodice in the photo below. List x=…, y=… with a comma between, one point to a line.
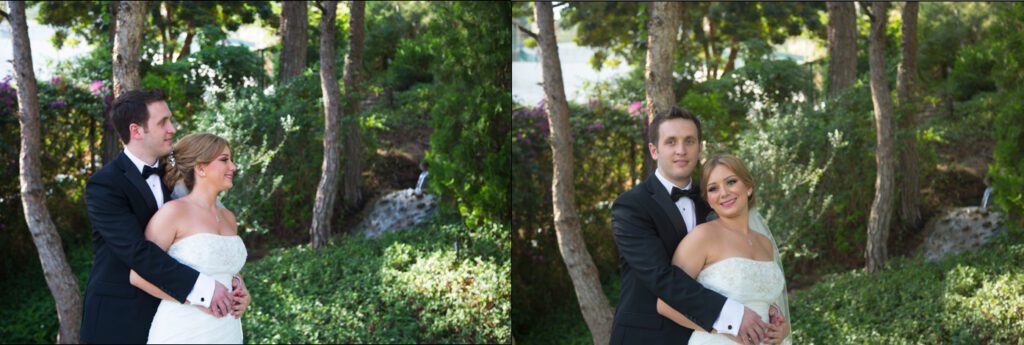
x=217, y=256
x=755, y=284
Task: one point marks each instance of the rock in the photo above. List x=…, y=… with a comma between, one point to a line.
x=958, y=230
x=396, y=211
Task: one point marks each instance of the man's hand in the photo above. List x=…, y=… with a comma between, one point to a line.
x=240, y=295
x=220, y=304
x=779, y=328
x=752, y=329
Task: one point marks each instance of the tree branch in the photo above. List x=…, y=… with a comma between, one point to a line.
x=559, y=4
x=866, y=6
x=5, y=15
x=527, y=31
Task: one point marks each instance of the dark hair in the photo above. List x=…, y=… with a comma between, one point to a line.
x=673, y=113
x=130, y=108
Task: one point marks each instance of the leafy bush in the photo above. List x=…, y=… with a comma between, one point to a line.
x=213, y=70
x=973, y=298
x=71, y=121
x=470, y=149
x=1008, y=169
x=435, y=283
x=28, y=311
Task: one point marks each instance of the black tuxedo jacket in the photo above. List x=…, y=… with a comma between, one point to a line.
x=647, y=227
x=120, y=205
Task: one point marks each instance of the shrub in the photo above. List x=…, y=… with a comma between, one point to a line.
x=435, y=283
x=972, y=298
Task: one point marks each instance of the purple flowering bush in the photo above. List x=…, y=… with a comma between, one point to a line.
x=608, y=146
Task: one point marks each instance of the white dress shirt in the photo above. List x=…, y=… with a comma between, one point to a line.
x=731, y=317
x=202, y=291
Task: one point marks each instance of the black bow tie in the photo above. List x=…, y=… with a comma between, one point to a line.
x=148, y=171
x=677, y=193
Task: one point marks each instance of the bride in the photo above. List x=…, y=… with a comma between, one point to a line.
x=193, y=230
x=732, y=258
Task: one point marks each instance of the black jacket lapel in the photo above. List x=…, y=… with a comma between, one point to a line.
x=702, y=209
x=135, y=177
x=660, y=196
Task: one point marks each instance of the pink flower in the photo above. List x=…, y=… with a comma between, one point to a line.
x=95, y=87
x=634, y=109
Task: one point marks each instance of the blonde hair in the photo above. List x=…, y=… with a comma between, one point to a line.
x=737, y=167
x=187, y=153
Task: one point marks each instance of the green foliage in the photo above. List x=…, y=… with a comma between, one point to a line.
x=207, y=73
x=609, y=148
x=28, y=307
x=412, y=286
x=70, y=127
x=1007, y=170
x=409, y=287
x=973, y=298
x=276, y=137
x=470, y=149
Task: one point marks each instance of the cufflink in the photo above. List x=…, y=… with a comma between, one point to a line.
x=203, y=299
x=730, y=327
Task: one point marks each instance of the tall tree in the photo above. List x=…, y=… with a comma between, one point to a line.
x=294, y=22
x=910, y=214
x=593, y=303
x=885, y=158
x=842, y=46
x=127, y=41
x=326, y=190
x=354, y=139
x=59, y=278
x=663, y=26
x=110, y=139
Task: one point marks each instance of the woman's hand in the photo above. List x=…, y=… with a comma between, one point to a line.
x=779, y=328
x=240, y=297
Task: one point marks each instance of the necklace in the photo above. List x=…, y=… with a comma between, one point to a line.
x=215, y=213
x=749, y=242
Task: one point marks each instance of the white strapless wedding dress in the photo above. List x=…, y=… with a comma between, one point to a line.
x=219, y=257
x=755, y=284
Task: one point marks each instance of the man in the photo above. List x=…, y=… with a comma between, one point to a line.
x=648, y=222
x=121, y=198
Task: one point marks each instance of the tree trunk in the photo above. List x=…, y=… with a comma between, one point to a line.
x=881, y=208
x=128, y=39
x=110, y=138
x=733, y=51
x=326, y=190
x=593, y=303
x=294, y=40
x=842, y=46
x=663, y=26
x=910, y=214
x=186, y=49
x=354, y=139
x=60, y=280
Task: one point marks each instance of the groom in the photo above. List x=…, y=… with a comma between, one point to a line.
x=648, y=222
x=121, y=198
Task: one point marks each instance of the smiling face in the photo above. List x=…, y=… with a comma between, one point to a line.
x=728, y=186
x=678, y=150
x=220, y=173
x=727, y=194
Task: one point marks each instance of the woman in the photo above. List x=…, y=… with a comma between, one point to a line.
x=732, y=258
x=193, y=230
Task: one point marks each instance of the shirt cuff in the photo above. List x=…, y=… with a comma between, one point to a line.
x=730, y=318
x=202, y=292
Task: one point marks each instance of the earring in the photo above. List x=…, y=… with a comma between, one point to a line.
x=202, y=174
